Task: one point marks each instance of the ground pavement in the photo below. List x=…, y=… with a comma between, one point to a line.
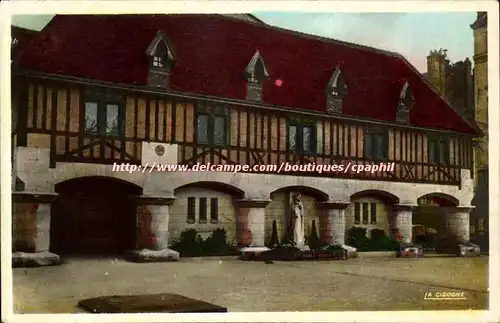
x=354, y=284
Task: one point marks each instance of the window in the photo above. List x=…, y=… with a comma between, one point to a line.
x=191, y=210
x=373, y=213
x=357, y=213
x=376, y=145
x=91, y=117
x=365, y=213
x=203, y=210
x=438, y=150
x=211, y=130
x=157, y=61
x=107, y=120
x=302, y=139
x=214, y=210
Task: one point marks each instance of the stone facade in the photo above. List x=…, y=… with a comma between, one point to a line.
x=455, y=81
x=162, y=209
x=382, y=210
x=226, y=218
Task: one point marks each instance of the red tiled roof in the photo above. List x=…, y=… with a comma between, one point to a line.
x=212, y=52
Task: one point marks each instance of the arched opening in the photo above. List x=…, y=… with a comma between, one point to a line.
x=204, y=206
x=371, y=210
x=429, y=220
x=383, y=196
x=439, y=199
x=305, y=190
x=278, y=213
x=214, y=186
x=94, y=216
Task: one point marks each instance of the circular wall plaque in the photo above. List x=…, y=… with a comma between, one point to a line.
x=160, y=150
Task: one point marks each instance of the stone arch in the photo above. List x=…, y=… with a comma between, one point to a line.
x=127, y=186
x=441, y=199
x=69, y=171
x=313, y=192
x=386, y=197
x=371, y=209
x=279, y=211
x=215, y=186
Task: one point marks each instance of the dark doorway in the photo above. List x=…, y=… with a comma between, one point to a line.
x=94, y=216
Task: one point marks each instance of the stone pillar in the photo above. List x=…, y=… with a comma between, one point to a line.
x=458, y=223
x=250, y=215
x=31, y=229
x=334, y=222
x=403, y=220
x=152, y=230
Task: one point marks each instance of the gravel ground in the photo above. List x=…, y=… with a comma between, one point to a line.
x=354, y=284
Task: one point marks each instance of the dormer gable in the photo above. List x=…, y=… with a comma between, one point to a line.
x=256, y=74
x=405, y=103
x=336, y=91
x=161, y=58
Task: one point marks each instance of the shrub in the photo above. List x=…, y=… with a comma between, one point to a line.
x=313, y=240
x=356, y=237
x=274, y=241
x=191, y=244
x=383, y=243
x=377, y=233
x=287, y=243
x=379, y=241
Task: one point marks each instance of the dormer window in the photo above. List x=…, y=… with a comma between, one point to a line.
x=157, y=61
x=161, y=57
x=255, y=74
x=405, y=102
x=336, y=91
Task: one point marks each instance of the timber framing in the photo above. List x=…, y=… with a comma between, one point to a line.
x=52, y=116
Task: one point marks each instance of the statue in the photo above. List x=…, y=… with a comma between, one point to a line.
x=298, y=220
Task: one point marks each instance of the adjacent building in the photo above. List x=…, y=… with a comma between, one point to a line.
x=455, y=81
x=93, y=90
x=481, y=212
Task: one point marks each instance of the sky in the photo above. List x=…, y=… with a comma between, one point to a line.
x=411, y=34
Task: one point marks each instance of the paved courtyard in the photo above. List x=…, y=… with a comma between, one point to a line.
x=354, y=284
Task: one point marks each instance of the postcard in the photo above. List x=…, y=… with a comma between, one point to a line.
x=206, y=161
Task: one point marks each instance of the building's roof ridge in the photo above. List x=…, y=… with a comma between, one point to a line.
x=319, y=38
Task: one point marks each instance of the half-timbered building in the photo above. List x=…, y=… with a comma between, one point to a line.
x=92, y=90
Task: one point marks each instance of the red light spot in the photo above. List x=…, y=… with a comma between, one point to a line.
x=278, y=82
